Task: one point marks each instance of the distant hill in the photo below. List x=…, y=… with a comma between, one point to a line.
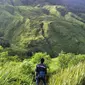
x=30, y=2
x=62, y=29
x=77, y=3
x=72, y=5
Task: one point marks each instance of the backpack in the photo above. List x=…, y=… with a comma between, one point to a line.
x=41, y=69
x=41, y=74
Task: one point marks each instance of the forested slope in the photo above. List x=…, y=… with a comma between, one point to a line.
x=32, y=29
x=62, y=29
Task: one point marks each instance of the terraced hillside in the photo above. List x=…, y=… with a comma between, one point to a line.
x=61, y=29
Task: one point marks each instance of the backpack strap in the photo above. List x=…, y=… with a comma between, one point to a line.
x=40, y=65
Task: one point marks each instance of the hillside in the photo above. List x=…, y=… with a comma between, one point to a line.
x=62, y=29
x=65, y=69
x=72, y=5
x=49, y=29
x=78, y=4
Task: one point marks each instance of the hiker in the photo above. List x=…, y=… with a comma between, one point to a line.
x=41, y=72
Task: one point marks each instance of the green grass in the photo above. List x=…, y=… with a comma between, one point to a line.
x=70, y=76
x=64, y=35
x=66, y=69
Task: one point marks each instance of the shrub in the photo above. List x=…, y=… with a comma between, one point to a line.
x=76, y=59
x=69, y=59
x=37, y=56
x=26, y=67
x=14, y=73
x=70, y=76
x=64, y=59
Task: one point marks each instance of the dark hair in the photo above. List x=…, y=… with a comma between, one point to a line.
x=42, y=60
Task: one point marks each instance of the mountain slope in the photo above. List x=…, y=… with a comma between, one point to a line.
x=62, y=30
x=78, y=3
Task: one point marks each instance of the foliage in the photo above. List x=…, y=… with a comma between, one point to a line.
x=66, y=60
x=13, y=71
x=1, y=48
x=71, y=76
x=36, y=58
x=14, y=74
x=20, y=25
x=62, y=30
x=64, y=69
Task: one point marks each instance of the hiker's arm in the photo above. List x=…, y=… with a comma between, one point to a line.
x=36, y=71
x=46, y=70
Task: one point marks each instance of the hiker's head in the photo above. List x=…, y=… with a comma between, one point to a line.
x=42, y=60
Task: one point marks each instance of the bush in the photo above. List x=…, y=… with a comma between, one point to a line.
x=76, y=59
x=1, y=48
x=36, y=58
x=64, y=59
x=14, y=73
x=70, y=76
x=69, y=59
x=26, y=67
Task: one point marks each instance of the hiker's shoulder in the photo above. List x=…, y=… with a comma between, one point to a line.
x=45, y=65
x=40, y=65
x=37, y=65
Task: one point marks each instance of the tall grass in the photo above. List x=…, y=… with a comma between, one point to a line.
x=66, y=69
x=69, y=76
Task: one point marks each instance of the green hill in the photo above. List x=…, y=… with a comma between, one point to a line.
x=32, y=29
x=62, y=29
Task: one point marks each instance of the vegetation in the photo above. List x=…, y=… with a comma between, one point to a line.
x=66, y=69
x=23, y=41
x=22, y=32
x=71, y=76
